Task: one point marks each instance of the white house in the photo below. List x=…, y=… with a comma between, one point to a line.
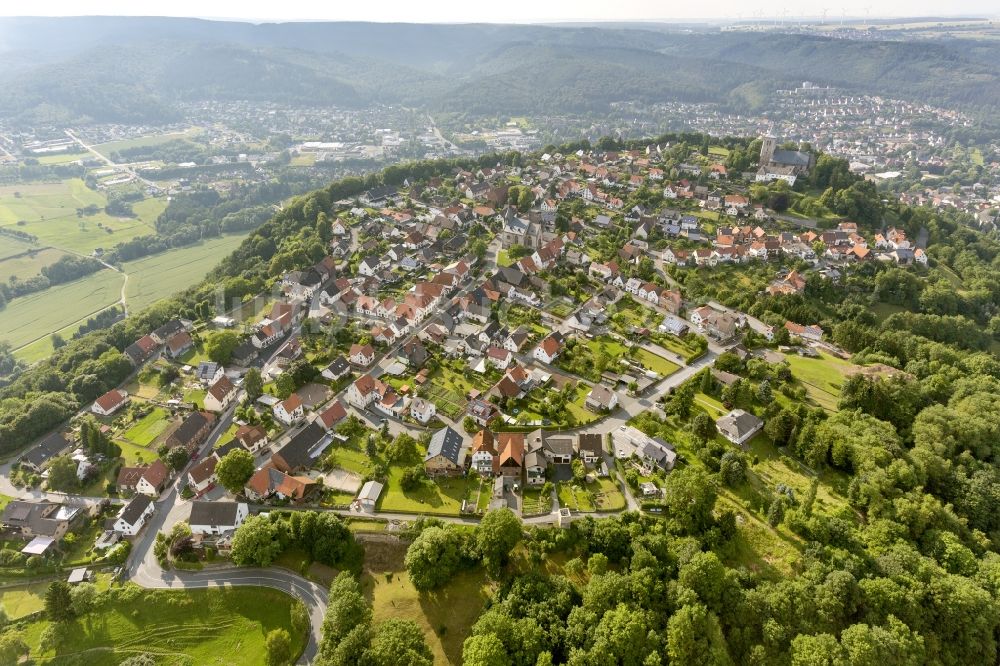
x=739, y=426
x=362, y=392
x=202, y=475
x=423, y=410
x=290, y=410
x=220, y=395
x=548, y=350
x=216, y=518
x=362, y=355
x=133, y=515
x=110, y=402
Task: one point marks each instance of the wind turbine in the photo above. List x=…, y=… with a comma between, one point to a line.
x=825, y=11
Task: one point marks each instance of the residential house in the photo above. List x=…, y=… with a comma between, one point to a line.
x=208, y=372
x=202, y=476
x=337, y=370
x=142, y=350
x=650, y=452
x=548, y=349
x=445, y=453
x=40, y=518
x=252, y=437
x=268, y=482
x=110, y=402
x=558, y=449
x=813, y=332
x=217, y=518
x=481, y=411
x=192, y=431
x=484, y=453
x=423, y=410
x=290, y=410
x=333, y=415
x=601, y=399
x=590, y=447
x=511, y=454
x=300, y=452
x=220, y=395
x=362, y=355
x=133, y=516
x=146, y=480
x=363, y=391
x=739, y=426
x=178, y=343
x=38, y=457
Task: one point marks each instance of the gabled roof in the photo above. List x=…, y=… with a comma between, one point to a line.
x=220, y=389
x=333, y=414
x=112, y=399
x=445, y=442
x=222, y=514
x=130, y=512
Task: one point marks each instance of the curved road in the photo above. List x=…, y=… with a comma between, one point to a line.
x=145, y=571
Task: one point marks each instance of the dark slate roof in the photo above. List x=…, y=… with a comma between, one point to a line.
x=212, y=513
x=791, y=158
x=445, y=442
x=231, y=445
x=188, y=431
x=49, y=448
x=131, y=512
x=168, y=329
x=296, y=452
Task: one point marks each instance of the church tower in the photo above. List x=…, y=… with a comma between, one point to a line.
x=767, y=146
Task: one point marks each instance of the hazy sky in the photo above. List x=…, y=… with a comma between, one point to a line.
x=460, y=11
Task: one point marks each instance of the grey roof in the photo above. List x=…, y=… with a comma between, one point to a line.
x=47, y=449
x=296, y=453
x=559, y=445
x=445, y=442
x=213, y=513
x=591, y=442
x=739, y=422
x=130, y=512
x=188, y=431
x=791, y=158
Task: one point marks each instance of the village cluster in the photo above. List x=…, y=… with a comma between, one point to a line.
x=500, y=335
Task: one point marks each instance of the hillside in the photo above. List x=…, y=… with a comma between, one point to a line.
x=477, y=68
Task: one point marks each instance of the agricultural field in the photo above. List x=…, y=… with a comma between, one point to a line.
x=28, y=265
x=143, y=141
x=193, y=626
x=37, y=315
x=162, y=275
x=48, y=211
x=11, y=246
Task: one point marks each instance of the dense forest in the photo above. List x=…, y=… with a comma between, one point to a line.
x=468, y=68
x=906, y=572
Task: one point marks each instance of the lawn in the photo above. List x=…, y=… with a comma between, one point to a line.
x=161, y=275
x=574, y=497
x=442, y=497
x=23, y=600
x=133, y=454
x=28, y=265
x=195, y=395
x=48, y=211
x=607, y=495
x=657, y=364
x=445, y=616
x=148, y=428
x=822, y=377
x=503, y=259
x=35, y=316
x=194, y=626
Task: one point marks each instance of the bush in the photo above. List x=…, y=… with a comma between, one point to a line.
x=412, y=478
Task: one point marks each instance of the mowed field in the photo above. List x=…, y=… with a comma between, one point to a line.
x=11, y=246
x=37, y=315
x=48, y=211
x=25, y=266
x=113, y=146
x=219, y=626
x=163, y=275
